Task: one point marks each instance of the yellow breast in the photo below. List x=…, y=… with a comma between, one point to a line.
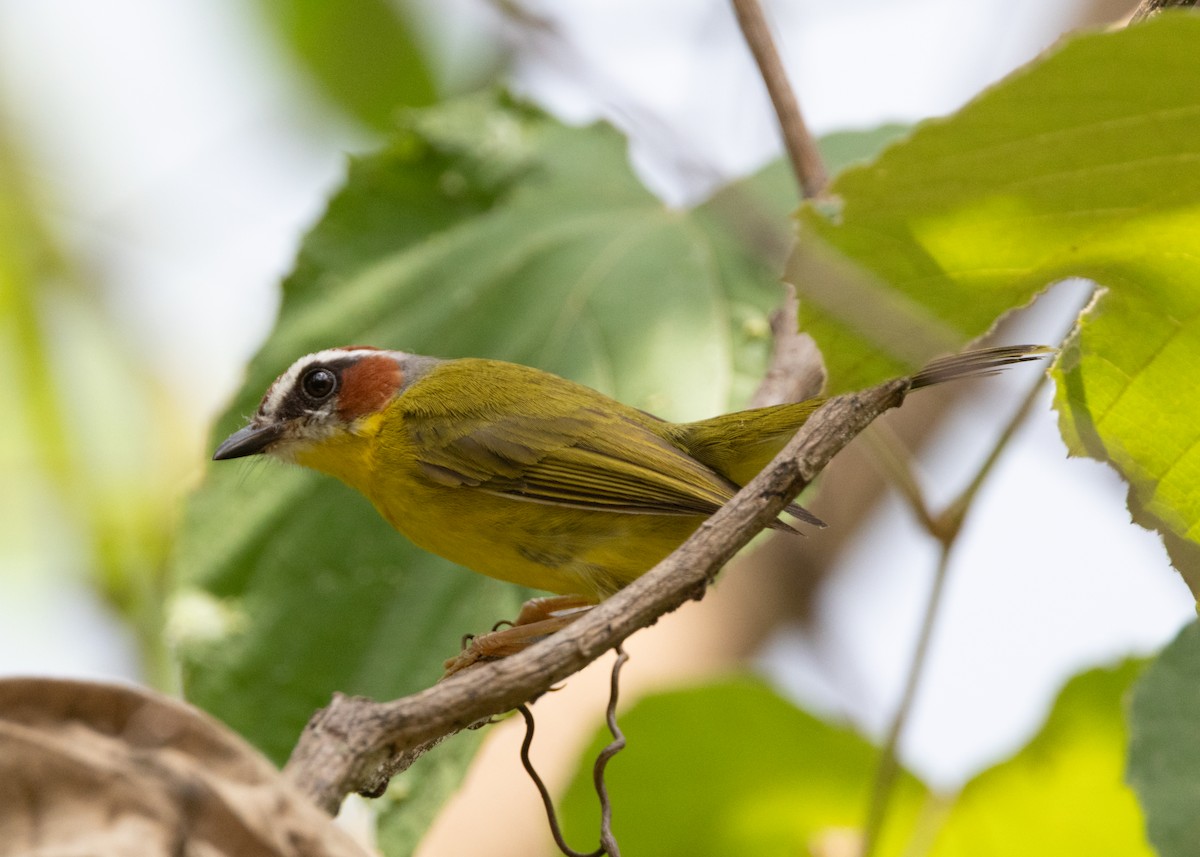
x=562, y=550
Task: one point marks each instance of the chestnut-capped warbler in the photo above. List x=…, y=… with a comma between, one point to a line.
x=522, y=475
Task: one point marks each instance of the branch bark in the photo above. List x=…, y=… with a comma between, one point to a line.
x=1148, y=8
x=801, y=147
x=795, y=371
x=357, y=744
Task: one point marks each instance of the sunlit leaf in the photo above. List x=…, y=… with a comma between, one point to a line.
x=1063, y=794
x=732, y=768
x=1085, y=163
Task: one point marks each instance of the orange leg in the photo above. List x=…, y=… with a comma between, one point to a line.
x=538, y=619
x=537, y=609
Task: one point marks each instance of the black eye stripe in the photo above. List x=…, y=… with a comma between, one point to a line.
x=299, y=401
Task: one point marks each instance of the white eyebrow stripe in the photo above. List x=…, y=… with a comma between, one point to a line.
x=285, y=383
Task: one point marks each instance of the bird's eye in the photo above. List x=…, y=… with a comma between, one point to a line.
x=318, y=383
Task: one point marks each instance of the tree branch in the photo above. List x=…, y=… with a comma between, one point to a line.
x=1148, y=8
x=795, y=371
x=357, y=744
x=801, y=148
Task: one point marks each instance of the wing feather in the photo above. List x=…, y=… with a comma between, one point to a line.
x=588, y=460
x=531, y=436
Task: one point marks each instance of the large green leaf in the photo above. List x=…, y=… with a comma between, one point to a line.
x=483, y=228
x=1164, y=756
x=732, y=768
x=1086, y=163
x=362, y=54
x=1062, y=795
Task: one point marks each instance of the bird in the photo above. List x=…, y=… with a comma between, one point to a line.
x=525, y=476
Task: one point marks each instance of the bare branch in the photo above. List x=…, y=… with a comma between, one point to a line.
x=1148, y=8
x=796, y=371
x=801, y=147
x=356, y=744
x=895, y=461
x=889, y=764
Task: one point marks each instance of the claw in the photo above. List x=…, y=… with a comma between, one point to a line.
x=538, y=619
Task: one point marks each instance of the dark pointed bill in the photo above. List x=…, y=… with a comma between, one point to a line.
x=250, y=440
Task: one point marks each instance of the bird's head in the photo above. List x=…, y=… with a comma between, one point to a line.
x=323, y=398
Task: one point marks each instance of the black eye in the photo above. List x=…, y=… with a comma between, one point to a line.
x=318, y=383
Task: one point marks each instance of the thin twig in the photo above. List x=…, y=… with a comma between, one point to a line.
x=957, y=510
x=890, y=455
x=608, y=843
x=795, y=371
x=945, y=528
x=884, y=783
x=801, y=147
x=547, y=801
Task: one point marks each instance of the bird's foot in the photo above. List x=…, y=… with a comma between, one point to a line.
x=538, y=619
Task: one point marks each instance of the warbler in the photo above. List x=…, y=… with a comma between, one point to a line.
x=520, y=474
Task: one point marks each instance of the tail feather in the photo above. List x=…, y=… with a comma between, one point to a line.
x=800, y=513
x=739, y=445
x=976, y=364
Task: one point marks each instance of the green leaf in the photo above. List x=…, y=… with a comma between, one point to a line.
x=1164, y=758
x=1062, y=795
x=361, y=53
x=1085, y=163
x=731, y=768
x=482, y=228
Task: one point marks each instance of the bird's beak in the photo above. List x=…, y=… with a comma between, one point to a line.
x=250, y=440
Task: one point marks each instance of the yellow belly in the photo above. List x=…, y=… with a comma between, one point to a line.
x=567, y=551
x=562, y=550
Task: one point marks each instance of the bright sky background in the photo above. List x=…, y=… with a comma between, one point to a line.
x=181, y=158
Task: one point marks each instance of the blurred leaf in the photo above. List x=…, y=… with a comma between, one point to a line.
x=90, y=466
x=1085, y=163
x=1062, y=795
x=29, y=262
x=732, y=768
x=482, y=228
x=759, y=209
x=361, y=53
x=1164, y=757
x=844, y=149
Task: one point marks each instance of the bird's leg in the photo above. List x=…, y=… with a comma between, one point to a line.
x=538, y=619
x=538, y=609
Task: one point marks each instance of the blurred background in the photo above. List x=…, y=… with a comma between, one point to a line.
x=159, y=164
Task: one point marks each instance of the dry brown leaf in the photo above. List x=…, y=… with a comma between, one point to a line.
x=99, y=769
